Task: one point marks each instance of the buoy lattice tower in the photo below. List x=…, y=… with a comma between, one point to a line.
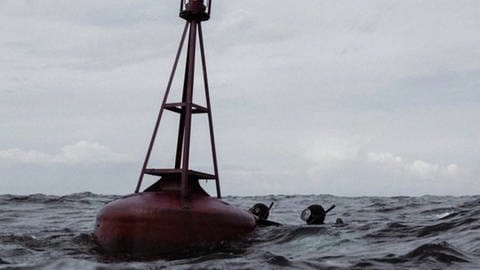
x=175, y=213
x=194, y=12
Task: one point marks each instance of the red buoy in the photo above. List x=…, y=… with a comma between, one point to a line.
x=163, y=222
x=175, y=212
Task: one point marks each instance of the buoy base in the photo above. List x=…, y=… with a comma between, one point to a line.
x=162, y=222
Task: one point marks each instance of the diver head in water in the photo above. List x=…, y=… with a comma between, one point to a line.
x=261, y=212
x=315, y=214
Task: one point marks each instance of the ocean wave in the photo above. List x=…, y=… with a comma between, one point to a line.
x=393, y=230
x=429, y=256
x=379, y=232
x=441, y=252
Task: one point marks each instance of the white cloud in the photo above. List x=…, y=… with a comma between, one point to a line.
x=335, y=153
x=418, y=168
x=18, y=155
x=80, y=152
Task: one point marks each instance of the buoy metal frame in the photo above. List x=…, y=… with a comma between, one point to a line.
x=194, y=12
x=175, y=213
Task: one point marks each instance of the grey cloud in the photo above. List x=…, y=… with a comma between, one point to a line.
x=393, y=77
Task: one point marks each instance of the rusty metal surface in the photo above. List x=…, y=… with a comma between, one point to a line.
x=210, y=120
x=160, y=221
x=188, y=90
x=165, y=97
x=193, y=11
x=175, y=212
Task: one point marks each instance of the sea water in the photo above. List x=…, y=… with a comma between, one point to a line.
x=428, y=232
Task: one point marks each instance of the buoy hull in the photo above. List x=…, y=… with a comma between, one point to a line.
x=162, y=222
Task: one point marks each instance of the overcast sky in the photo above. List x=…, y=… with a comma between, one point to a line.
x=309, y=97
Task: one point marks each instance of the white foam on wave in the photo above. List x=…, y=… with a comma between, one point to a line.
x=440, y=216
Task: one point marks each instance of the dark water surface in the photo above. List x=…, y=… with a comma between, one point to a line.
x=428, y=232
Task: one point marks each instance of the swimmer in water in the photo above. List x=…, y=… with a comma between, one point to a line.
x=315, y=214
x=312, y=215
x=260, y=211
